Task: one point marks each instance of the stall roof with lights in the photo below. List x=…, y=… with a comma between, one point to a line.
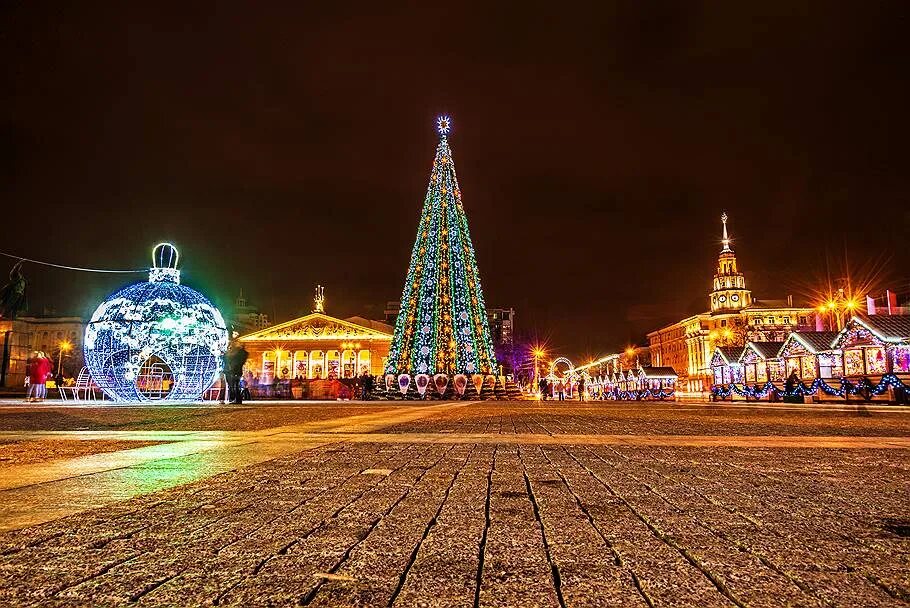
x=765, y=350
x=813, y=341
x=729, y=354
x=659, y=373
x=892, y=329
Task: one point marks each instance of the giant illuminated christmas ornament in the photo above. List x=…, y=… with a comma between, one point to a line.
x=158, y=340
x=442, y=326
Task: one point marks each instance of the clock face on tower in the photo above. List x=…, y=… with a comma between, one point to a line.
x=735, y=297
x=722, y=299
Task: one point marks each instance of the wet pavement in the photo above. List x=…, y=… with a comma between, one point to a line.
x=455, y=504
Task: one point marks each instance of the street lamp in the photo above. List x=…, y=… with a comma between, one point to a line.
x=840, y=308
x=65, y=346
x=538, y=353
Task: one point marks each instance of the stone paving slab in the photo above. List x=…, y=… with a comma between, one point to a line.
x=500, y=506
x=28, y=450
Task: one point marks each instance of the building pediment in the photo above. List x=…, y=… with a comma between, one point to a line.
x=316, y=326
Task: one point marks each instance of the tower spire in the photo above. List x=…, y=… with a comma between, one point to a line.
x=319, y=300
x=726, y=239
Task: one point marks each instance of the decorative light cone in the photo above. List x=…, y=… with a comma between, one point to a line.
x=442, y=326
x=158, y=340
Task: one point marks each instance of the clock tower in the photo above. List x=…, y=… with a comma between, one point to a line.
x=729, y=293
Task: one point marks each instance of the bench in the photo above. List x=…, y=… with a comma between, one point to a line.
x=84, y=389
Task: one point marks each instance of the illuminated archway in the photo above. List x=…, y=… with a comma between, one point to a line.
x=561, y=367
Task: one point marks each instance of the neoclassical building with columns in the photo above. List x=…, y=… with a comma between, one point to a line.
x=317, y=346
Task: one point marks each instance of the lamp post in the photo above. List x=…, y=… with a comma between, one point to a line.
x=64, y=347
x=538, y=353
x=840, y=308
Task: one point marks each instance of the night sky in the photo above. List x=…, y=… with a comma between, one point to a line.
x=596, y=147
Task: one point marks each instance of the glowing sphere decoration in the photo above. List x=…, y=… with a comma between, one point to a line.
x=158, y=340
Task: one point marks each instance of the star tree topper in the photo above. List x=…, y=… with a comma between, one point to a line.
x=444, y=125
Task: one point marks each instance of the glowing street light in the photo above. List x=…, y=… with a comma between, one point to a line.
x=538, y=354
x=64, y=347
x=840, y=307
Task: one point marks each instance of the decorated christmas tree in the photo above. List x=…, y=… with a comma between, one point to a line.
x=442, y=326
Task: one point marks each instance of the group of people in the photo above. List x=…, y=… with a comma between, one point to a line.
x=38, y=370
x=559, y=389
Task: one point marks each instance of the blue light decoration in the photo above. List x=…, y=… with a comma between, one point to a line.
x=639, y=395
x=158, y=340
x=862, y=387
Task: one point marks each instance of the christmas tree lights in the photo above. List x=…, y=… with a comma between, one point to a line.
x=442, y=326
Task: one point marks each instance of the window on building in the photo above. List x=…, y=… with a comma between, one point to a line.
x=786, y=320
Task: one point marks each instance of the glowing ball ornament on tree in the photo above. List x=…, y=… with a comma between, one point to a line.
x=158, y=340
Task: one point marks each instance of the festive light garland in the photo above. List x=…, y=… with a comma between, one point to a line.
x=639, y=395
x=442, y=326
x=863, y=387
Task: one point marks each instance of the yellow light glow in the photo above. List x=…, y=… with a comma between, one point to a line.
x=65, y=345
x=831, y=305
x=630, y=351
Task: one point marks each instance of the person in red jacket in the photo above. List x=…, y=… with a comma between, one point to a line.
x=37, y=372
x=31, y=370
x=42, y=367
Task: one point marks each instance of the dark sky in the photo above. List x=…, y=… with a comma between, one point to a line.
x=595, y=145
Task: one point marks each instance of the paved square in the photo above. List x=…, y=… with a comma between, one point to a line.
x=455, y=504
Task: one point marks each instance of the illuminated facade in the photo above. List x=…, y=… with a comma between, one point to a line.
x=869, y=359
x=734, y=318
x=21, y=337
x=317, y=346
x=873, y=346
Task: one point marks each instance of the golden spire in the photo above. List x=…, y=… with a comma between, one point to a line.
x=726, y=239
x=319, y=300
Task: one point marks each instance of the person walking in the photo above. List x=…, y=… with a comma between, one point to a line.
x=581, y=390
x=561, y=390
x=31, y=371
x=542, y=385
x=41, y=370
x=366, y=386
x=235, y=359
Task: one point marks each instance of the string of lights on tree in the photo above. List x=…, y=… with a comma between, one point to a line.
x=442, y=326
